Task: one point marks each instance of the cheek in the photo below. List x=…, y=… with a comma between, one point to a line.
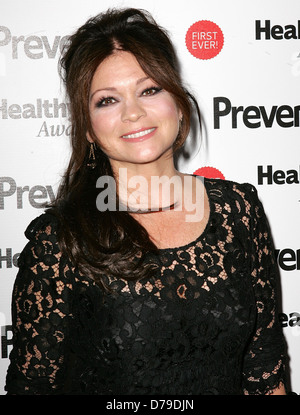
x=100, y=124
x=103, y=126
x=168, y=111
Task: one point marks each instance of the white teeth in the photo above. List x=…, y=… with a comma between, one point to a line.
x=140, y=134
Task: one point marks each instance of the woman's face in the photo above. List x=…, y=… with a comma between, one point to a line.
x=134, y=120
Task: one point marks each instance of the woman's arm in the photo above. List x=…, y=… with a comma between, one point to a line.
x=265, y=359
x=40, y=309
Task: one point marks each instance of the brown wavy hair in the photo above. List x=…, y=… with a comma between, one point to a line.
x=110, y=243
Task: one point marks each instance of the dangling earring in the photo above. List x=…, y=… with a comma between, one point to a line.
x=92, y=158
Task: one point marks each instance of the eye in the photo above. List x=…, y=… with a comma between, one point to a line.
x=151, y=91
x=104, y=102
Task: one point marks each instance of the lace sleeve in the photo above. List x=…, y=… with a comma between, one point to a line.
x=264, y=365
x=40, y=305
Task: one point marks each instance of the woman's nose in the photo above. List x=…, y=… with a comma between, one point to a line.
x=133, y=110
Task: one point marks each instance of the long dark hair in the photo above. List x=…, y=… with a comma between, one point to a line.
x=110, y=243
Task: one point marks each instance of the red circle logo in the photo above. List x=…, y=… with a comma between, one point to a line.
x=209, y=173
x=204, y=39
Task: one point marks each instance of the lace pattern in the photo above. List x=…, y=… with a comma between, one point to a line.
x=205, y=324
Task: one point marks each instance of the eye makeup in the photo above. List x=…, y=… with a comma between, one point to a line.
x=106, y=101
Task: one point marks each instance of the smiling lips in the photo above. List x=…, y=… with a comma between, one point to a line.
x=139, y=135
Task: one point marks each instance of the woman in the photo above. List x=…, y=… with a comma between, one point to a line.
x=142, y=298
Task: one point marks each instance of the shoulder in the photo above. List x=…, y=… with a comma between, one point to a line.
x=232, y=193
x=239, y=199
x=44, y=224
x=42, y=242
x=227, y=186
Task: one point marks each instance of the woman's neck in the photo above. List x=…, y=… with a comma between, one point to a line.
x=144, y=187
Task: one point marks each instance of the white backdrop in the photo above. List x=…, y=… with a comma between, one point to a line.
x=248, y=92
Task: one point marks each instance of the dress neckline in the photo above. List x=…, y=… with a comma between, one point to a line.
x=203, y=233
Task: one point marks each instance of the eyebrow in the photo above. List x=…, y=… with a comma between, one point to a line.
x=138, y=82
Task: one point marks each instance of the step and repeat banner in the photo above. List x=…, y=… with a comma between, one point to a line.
x=242, y=62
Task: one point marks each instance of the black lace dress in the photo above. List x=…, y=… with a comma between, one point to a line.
x=206, y=324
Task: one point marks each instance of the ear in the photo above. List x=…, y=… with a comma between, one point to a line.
x=180, y=115
x=89, y=138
